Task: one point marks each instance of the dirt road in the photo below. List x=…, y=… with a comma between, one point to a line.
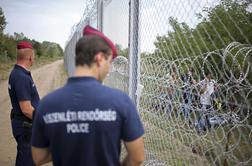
x=47, y=78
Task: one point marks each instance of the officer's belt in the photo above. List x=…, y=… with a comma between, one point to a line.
x=19, y=116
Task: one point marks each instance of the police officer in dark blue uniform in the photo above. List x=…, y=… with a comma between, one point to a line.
x=84, y=122
x=24, y=100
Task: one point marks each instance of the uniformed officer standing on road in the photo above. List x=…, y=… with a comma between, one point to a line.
x=24, y=100
x=84, y=122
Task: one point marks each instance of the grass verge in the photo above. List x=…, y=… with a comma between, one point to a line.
x=7, y=65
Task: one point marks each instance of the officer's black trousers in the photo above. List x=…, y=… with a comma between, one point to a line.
x=22, y=136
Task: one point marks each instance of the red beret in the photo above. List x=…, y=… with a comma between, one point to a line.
x=88, y=30
x=24, y=44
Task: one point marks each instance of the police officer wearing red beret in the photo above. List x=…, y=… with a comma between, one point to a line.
x=84, y=122
x=24, y=100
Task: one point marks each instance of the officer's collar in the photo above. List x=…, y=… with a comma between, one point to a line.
x=22, y=69
x=80, y=79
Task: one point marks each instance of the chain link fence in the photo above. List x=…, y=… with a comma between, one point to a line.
x=116, y=27
x=188, y=67
x=90, y=17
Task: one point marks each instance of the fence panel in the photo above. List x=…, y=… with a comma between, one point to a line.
x=195, y=78
x=90, y=17
x=116, y=27
x=197, y=74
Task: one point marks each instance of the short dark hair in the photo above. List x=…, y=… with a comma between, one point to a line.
x=191, y=70
x=87, y=47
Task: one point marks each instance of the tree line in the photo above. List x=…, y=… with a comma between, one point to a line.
x=220, y=25
x=229, y=21
x=205, y=46
x=8, y=43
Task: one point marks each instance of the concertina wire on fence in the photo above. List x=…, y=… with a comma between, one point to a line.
x=194, y=83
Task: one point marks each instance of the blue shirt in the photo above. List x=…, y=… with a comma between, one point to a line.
x=21, y=87
x=84, y=122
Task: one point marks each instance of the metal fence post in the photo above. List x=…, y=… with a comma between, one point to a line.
x=100, y=15
x=134, y=58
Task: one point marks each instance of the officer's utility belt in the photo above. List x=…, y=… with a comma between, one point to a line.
x=21, y=117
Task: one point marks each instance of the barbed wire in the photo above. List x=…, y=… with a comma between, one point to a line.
x=175, y=59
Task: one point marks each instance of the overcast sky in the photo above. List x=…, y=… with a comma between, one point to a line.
x=52, y=20
x=154, y=16
x=43, y=20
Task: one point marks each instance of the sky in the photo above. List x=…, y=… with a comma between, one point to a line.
x=43, y=20
x=154, y=16
x=52, y=20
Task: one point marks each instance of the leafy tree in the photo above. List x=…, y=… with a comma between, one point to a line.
x=2, y=26
x=2, y=20
x=9, y=46
x=122, y=51
x=20, y=36
x=61, y=52
x=229, y=21
x=37, y=46
x=50, y=49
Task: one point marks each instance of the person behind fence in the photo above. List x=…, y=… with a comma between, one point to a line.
x=84, y=122
x=172, y=88
x=189, y=82
x=161, y=98
x=24, y=100
x=207, y=87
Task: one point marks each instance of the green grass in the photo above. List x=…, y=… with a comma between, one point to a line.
x=6, y=65
x=171, y=140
